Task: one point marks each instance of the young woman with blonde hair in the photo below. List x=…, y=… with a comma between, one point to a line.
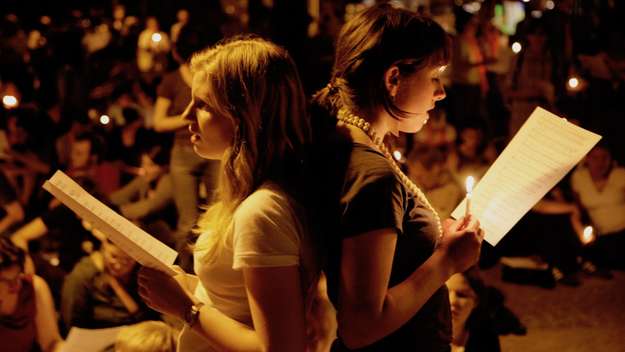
x=254, y=257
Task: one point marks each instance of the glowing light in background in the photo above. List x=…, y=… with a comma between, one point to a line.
x=472, y=7
x=588, y=235
x=105, y=120
x=9, y=101
x=573, y=82
x=397, y=155
x=516, y=47
x=156, y=37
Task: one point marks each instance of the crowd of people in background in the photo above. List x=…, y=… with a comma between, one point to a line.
x=99, y=92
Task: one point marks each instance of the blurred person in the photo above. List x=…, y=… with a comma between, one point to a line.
x=388, y=252
x=152, y=48
x=473, y=328
x=599, y=185
x=186, y=168
x=182, y=18
x=57, y=232
x=97, y=37
x=498, y=55
x=11, y=211
x=428, y=168
x=530, y=79
x=24, y=162
x=469, y=84
x=148, y=198
x=438, y=132
x=101, y=291
x=27, y=316
x=466, y=159
x=147, y=336
x=254, y=258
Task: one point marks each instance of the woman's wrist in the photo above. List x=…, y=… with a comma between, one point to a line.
x=444, y=262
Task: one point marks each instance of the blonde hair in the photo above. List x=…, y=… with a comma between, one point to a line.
x=148, y=336
x=253, y=83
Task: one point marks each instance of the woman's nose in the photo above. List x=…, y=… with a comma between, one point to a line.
x=189, y=112
x=439, y=94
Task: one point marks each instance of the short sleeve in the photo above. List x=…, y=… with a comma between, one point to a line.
x=265, y=232
x=576, y=180
x=374, y=202
x=164, y=89
x=619, y=177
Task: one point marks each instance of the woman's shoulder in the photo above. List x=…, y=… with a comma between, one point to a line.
x=368, y=163
x=268, y=200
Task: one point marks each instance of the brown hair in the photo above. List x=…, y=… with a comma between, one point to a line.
x=368, y=45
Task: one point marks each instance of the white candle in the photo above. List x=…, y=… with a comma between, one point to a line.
x=469, y=185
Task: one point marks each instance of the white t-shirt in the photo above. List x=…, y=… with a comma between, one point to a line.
x=606, y=208
x=266, y=231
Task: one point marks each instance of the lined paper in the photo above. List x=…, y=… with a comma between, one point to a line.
x=138, y=244
x=542, y=152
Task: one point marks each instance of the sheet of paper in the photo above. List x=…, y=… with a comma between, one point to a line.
x=137, y=243
x=544, y=150
x=90, y=340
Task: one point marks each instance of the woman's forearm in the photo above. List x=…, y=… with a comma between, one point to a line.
x=362, y=326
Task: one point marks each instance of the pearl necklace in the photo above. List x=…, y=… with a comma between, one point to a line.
x=350, y=118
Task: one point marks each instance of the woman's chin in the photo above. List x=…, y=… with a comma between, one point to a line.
x=206, y=154
x=414, y=124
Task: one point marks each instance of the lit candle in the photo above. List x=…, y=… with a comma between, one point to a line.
x=469, y=184
x=9, y=101
x=588, y=235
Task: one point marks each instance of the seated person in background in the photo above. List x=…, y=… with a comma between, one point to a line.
x=11, y=211
x=437, y=133
x=466, y=159
x=600, y=188
x=27, y=316
x=102, y=290
x=148, y=198
x=548, y=230
x=59, y=229
x=472, y=328
x=428, y=168
x=147, y=336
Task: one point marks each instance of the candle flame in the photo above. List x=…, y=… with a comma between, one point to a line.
x=469, y=183
x=156, y=37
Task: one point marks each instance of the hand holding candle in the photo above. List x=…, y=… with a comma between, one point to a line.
x=469, y=184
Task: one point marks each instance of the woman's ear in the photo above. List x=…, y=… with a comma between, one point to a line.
x=391, y=80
